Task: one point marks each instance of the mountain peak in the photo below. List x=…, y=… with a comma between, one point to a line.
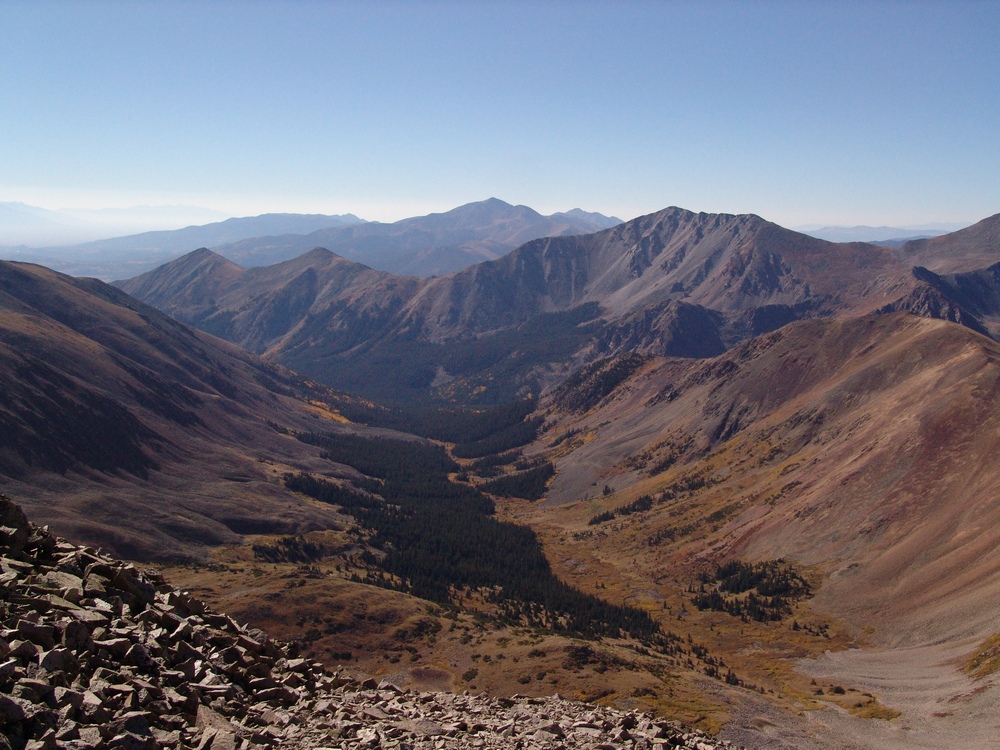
x=319, y=253
x=592, y=216
x=205, y=256
x=491, y=205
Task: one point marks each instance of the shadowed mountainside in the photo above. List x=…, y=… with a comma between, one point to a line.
x=316, y=294
x=156, y=438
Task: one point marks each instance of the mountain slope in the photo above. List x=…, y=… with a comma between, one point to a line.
x=861, y=450
x=732, y=264
x=958, y=277
x=671, y=283
x=853, y=444
x=872, y=420
x=157, y=439
x=122, y=257
x=315, y=294
x=968, y=249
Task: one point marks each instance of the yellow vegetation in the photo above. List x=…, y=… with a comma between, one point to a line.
x=874, y=710
x=324, y=410
x=985, y=660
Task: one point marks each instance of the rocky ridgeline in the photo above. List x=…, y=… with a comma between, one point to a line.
x=95, y=653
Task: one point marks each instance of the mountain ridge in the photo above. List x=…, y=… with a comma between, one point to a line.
x=420, y=245
x=732, y=277
x=435, y=244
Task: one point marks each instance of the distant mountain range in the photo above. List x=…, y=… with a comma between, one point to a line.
x=882, y=235
x=430, y=245
x=671, y=283
x=422, y=246
x=24, y=225
x=122, y=256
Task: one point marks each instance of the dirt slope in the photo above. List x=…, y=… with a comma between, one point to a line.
x=966, y=250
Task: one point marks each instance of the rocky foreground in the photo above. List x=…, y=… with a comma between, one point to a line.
x=95, y=653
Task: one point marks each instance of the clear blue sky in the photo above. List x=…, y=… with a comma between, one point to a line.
x=802, y=112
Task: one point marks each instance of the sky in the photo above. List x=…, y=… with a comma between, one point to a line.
x=802, y=112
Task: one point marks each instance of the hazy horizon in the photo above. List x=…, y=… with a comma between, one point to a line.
x=94, y=224
x=833, y=113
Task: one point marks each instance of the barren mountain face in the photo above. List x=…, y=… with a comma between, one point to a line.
x=671, y=283
x=861, y=449
x=860, y=445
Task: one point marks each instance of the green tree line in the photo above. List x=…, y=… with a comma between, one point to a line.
x=440, y=538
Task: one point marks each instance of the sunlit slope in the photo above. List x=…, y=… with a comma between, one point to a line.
x=966, y=250
x=864, y=446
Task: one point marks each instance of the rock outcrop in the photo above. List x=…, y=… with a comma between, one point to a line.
x=95, y=653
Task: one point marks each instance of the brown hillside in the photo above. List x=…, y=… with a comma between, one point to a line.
x=124, y=428
x=966, y=250
x=317, y=293
x=674, y=283
x=863, y=444
x=862, y=450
